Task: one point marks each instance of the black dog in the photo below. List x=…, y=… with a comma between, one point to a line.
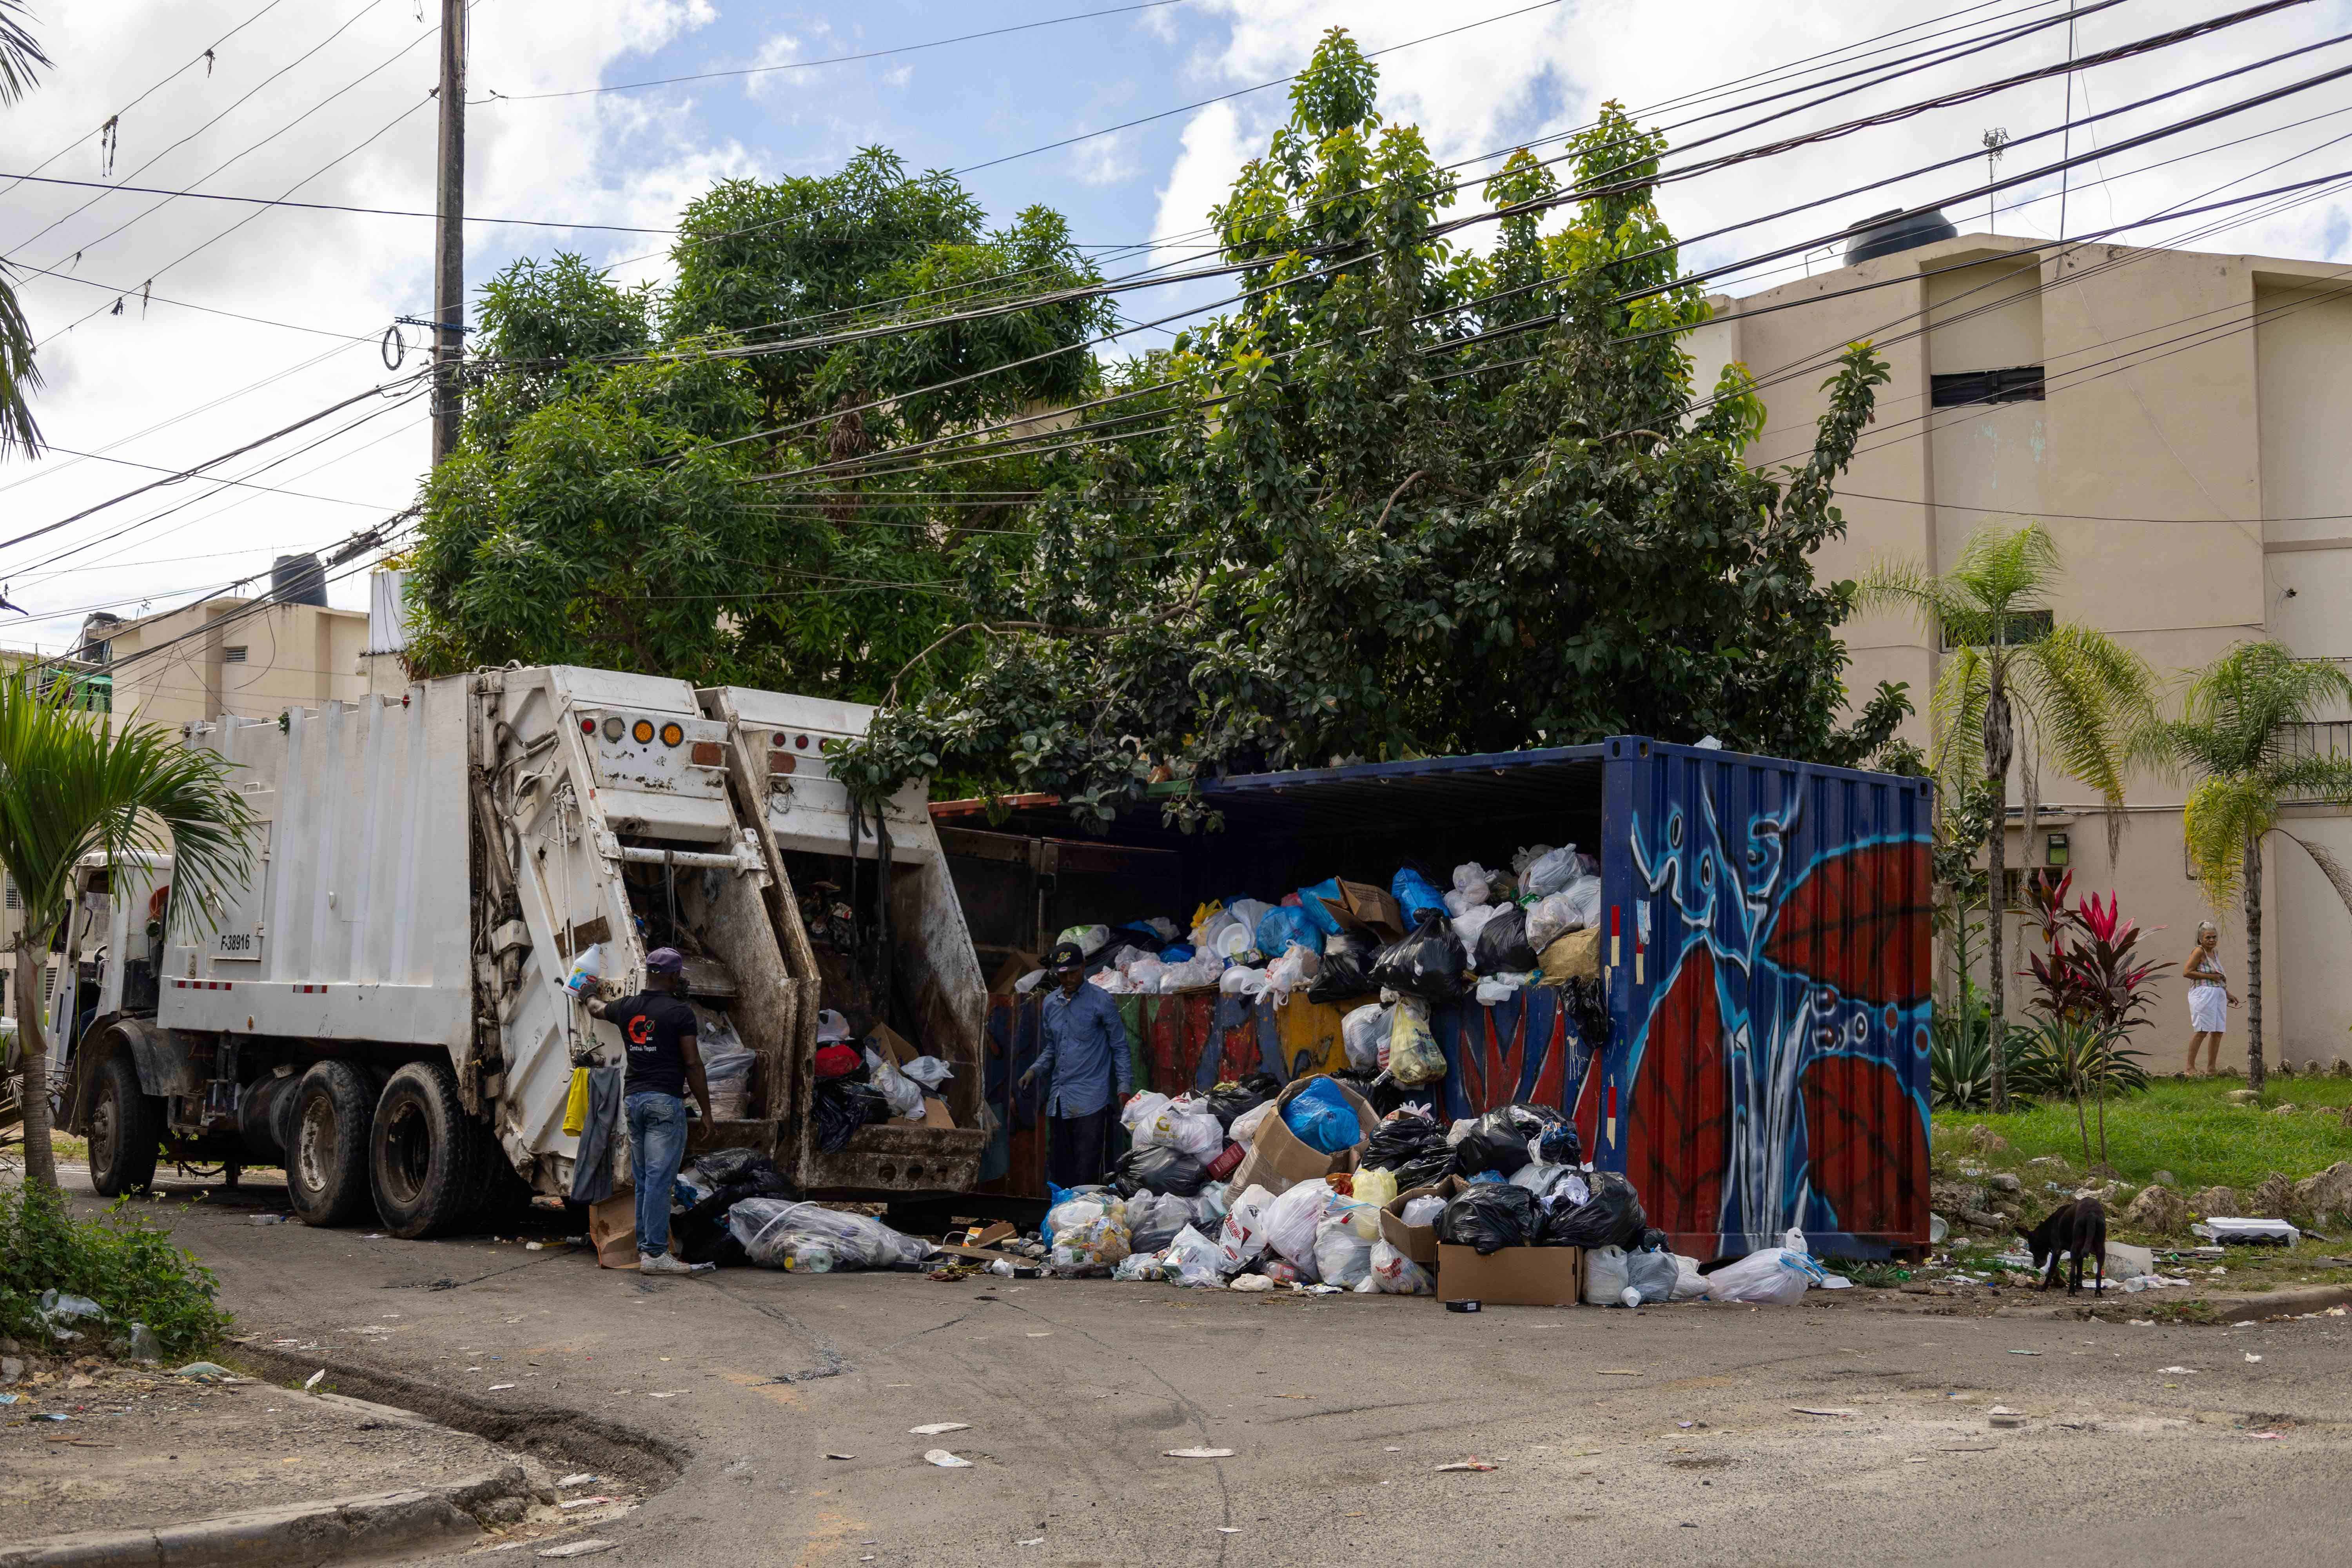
x=2078, y=1228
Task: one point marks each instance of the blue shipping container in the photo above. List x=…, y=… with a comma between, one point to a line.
x=1765, y=964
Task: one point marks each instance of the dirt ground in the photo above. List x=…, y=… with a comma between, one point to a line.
x=143, y=1446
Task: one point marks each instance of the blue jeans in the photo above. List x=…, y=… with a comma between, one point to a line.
x=656, y=1149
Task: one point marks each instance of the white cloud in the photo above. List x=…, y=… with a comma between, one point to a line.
x=782, y=49
x=1103, y=161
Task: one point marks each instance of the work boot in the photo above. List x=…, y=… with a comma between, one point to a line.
x=647, y=1263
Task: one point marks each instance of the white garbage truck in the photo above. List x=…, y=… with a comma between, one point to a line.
x=381, y=1007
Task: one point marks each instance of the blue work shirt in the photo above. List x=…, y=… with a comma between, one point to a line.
x=1086, y=1050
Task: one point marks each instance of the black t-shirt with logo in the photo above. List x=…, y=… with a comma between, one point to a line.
x=652, y=1023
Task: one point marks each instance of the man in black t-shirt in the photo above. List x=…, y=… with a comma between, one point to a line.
x=657, y=1026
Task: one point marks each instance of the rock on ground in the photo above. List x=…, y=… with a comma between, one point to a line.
x=2327, y=1196
x=2216, y=1199
x=2158, y=1209
x=2274, y=1197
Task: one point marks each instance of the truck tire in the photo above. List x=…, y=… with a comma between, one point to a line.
x=326, y=1157
x=126, y=1129
x=423, y=1154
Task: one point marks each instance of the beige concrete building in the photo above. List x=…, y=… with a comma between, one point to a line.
x=2176, y=419
x=206, y=659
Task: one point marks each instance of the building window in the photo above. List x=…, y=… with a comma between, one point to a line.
x=232, y=655
x=2021, y=385
x=13, y=901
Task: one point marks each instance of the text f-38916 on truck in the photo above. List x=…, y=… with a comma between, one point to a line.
x=381, y=1007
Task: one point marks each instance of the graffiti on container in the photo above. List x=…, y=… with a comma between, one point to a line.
x=1766, y=1082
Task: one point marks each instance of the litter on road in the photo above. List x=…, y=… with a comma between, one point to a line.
x=1466, y=1464
x=936, y=1427
x=946, y=1460
x=1200, y=1453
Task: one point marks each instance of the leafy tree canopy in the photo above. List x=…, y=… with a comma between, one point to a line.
x=604, y=506
x=1410, y=499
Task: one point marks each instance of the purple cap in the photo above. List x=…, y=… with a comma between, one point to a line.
x=666, y=961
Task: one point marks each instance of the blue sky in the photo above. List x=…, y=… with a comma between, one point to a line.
x=253, y=319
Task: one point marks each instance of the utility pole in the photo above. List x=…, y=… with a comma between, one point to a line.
x=449, y=254
x=1994, y=141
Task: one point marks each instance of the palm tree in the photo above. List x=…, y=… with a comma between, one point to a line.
x=19, y=56
x=2236, y=736
x=74, y=785
x=2081, y=697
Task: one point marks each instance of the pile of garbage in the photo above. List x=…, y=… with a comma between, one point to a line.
x=1491, y=933
x=868, y=1082
x=1208, y=1198
x=732, y=1208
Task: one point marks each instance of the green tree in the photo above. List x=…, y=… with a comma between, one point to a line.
x=1410, y=500
x=20, y=58
x=2080, y=697
x=2238, y=737
x=605, y=505
x=73, y=785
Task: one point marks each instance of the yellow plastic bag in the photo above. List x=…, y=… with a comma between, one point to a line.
x=1413, y=1053
x=1375, y=1190
x=1576, y=956
x=575, y=1108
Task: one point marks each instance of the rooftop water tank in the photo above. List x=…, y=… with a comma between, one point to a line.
x=1891, y=231
x=297, y=580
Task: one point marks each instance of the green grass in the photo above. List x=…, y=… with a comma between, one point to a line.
x=2185, y=1127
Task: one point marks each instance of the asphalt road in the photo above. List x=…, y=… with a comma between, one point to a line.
x=1669, y=1435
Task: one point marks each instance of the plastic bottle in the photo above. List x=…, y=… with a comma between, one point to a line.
x=811, y=1256
x=587, y=968
x=1630, y=1296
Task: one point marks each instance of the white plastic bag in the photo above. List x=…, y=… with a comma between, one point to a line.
x=1551, y=918
x=1342, y=1256
x=1295, y=970
x=1187, y=1125
x=1494, y=988
x=1583, y=896
x=1652, y=1276
x=1139, y=1113
x=1242, y=1235
x=906, y=1097
x=1553, y=871
x=1470, y=922
x=1162, y=927
x=1241, y=980
x=1244, y=1131
x=1421, y=1213
x=1291, y=1219
x=1604, y=1277
x=1527, y=856
x=1365, y=1031
x=1089, y=1233
x=1774, y=1275
x=1249, y=912
x=1029, y=982
x=1146, y=974
x=1091, y=939
x=1413, y=1053
x=1689, y=1283
x=1398, y=1275
x=1195, y=1259
x=1203, y=968
x=1112, y=981
x=929, y=1071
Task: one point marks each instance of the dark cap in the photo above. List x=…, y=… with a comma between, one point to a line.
x=664, y=961
x=1066, y=956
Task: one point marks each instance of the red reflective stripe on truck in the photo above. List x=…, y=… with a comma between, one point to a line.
x=204, y=985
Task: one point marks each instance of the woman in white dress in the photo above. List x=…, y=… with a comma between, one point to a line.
x=2210, y=998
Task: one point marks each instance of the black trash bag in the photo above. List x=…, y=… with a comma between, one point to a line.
x=1400, y=1140
x=1560, y=1145
x=1489, y=1216
x=1611, y=1217
x=721, y=1166
x=1381, y=1092
x=1137, y=935
x=1503, y=943
x=1153, y=1240
x=1346, y=970
x=1651, y=1241
x=1499, y=1141
x=843, y=1106
x=1427, y=963
x=1230, y=1101
x=703, y=1236
x=1426, y=1170
x=1157, y=1168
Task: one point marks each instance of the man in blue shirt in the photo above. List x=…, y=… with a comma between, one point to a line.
x=1085, y=1054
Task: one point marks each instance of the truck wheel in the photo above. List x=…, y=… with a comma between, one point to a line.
x=326, y=1159
x=422, y=1156
x=126, y=1129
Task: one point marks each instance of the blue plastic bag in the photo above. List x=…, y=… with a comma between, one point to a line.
x=1310, y=903
x=1321, y=1118
x=1414, y=894
x=1282, y=927
x=1176, y=953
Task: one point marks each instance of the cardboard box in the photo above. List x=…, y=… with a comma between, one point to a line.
x=935, y=1112
x=1277, y=1160
x=613, y=1230
x=1016, y=964
x=1511, y=1276
x=1418, y=1242
x=1369, y=909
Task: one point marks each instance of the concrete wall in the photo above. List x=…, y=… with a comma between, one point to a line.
x=2188, y=456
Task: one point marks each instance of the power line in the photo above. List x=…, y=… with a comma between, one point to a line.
x=343, y=207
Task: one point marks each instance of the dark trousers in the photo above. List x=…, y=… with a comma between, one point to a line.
x=1077, y=1148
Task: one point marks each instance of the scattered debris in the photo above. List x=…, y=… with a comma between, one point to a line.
x=2252, y=1356
x=581, y=1479
x=1466, y=1464
x=315, y=1379
x=497, y=1386
x=2002, y=1415
x=577, y=1548
x=946, y=1460
x=841, y=1455
x=936, y=1427
x=585, y=1502
x=1803, y=1410
x=1200, y=1453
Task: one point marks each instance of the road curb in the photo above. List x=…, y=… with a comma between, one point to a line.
x=298, y=1534
x=2257, y=1304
